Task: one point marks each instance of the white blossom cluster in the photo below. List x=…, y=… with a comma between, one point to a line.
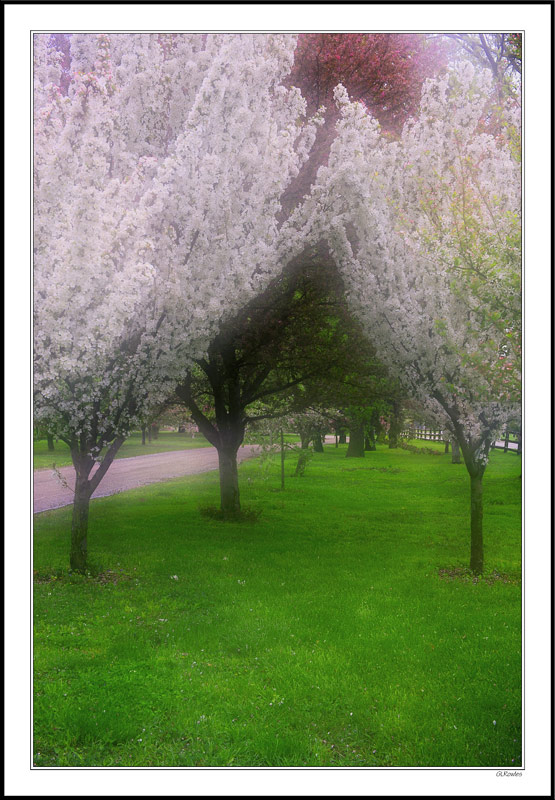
x=426, y=230
x=157, y=179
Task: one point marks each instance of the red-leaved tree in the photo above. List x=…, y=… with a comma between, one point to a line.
x=385, y=71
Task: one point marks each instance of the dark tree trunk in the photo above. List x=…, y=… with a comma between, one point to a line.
x=475, y=467
x=282, y=453
x=229, y=480
x=395, y=426
x=226, y=434
x=305, y=441
x=455, y=452
x=143, y=434
x=475, y=458
x=367, y=446
x=371, y=439
x=85, y=485
x=149, y=430
x=154, y=429
x=318, y=445
x=343, y=438
x=50, y=440
x=80, y=525
x=476, y=517
x=446, y=446
x=356, y=442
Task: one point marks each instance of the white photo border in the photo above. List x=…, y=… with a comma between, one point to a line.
x=534, y=20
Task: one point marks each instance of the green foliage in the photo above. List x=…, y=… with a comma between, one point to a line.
x=302, y=461
x=412, y=448
x=326, y=633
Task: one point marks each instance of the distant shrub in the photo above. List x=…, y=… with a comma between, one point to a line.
x=428, y=451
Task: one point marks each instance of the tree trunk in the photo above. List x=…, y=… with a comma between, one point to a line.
x=149, y=434
x=229, y=480
x=343, y=438
x=395, y=426
x=305, y=441
x=282, y=453
x=446, y=446
x=85, y=485
x=356, y=442
x=367, y=446
x=80, y=525
x=50, y=440
x=318, y=446
x=476, y=532
x=372, y=439
x=143, y=434
x=455, y=452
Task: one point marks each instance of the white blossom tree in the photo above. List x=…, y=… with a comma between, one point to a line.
x=158, y=175
x=427, y=232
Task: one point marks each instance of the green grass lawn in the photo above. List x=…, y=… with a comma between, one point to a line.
x=166, y=441
x=338, y=629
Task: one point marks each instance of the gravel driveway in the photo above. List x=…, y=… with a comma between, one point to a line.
x=129, y=473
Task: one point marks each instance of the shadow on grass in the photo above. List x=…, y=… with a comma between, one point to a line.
x=243, y=515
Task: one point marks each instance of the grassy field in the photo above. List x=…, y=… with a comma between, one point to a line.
x=166, y=441
x=338, y=629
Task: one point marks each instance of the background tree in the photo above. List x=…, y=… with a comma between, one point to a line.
x=499, y=52
x=385, y=71
x=295, y=332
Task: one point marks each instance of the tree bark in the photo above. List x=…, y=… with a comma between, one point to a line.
x=356, y=442
x=343, y=438
x=229, y=480
x=143, y=434
x=282, y=454
x=446, y=446
x=318, y=446
x=80, y=525
x=455, y=452
x=85, y=485
x=50, y=440
x=476, y=527
x=395, y=426
x=305, y=441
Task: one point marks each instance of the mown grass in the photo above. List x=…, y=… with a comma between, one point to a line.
x=166, y=441
x=339, y=628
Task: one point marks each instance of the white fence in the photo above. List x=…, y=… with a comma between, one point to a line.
x=437, y=435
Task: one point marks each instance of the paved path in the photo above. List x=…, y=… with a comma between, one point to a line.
x=129, y=473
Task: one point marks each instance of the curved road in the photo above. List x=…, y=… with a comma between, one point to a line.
x=128, y=473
